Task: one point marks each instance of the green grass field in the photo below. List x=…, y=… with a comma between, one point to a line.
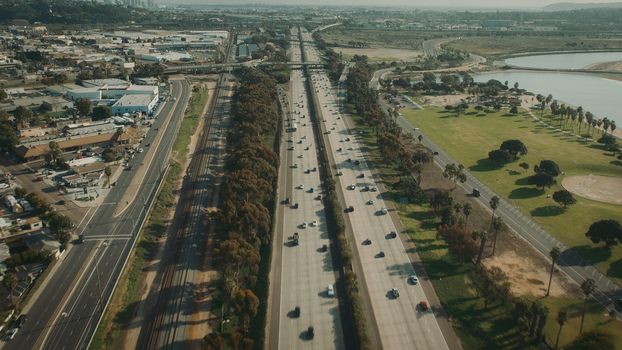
x=478, y=328
x=469, y=138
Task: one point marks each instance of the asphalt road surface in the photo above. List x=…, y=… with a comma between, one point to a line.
x=306, y=269
x=401, y=322
x=69, y=307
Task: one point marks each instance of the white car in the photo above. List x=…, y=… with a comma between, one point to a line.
x=330, y=291
x=413, y=279
x=352, y=186
x=301, y=187
x=370, y=202
x=313, y=223
x=383, y=211
x=373, y=189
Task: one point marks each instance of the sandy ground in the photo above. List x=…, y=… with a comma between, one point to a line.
x=381, y=54
x=444, y=100
x=131, y=334
x=606, y=189
x=609, y=66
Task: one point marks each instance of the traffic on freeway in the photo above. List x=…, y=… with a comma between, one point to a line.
x=399, y=304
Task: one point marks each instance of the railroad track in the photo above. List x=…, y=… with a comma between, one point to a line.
x=153, y=335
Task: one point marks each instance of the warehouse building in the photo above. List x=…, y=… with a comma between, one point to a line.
x=135, y=103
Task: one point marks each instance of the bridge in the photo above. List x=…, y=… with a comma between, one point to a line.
x=217, y=67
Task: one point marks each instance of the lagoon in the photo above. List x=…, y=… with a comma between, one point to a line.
x=601, y=96
x=565, y=60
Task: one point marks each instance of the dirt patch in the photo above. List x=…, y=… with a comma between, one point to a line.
x=442, y=101
x=527, y=270
x=605, y=189
x=381, y=54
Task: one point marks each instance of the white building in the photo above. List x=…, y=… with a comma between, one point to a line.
x=135, y=103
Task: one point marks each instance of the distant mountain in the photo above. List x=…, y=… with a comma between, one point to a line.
x=568, y=6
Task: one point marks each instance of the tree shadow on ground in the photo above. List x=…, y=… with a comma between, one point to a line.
x=615, y=269
x=616, y=162
x=523, y=181
x=584, y=255
x=525, y=192
x=485, y=164
x=548, y=210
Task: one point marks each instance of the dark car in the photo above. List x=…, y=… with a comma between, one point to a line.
x=310, y=332
x=381, y=254
x=349, y=209
x=475, y=192
x=20, y=321
x=296, y=312
x=367, y=242
x=423, y=305
x=295, y=206
x=391, y=235
x=323, y=248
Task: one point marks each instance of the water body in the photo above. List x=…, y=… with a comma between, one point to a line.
x=565, y=60
x=601, y=96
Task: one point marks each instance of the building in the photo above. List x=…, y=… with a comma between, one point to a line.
x=40, y=243
x=135, y=103
x=12, y=204
x=38, y=151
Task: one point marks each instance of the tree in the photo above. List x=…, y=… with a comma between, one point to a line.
x=554, y=254
x=498, y=226
x=10, y=280
x=482, y=236
x=494, y=204
x=467, y=209
x=440, y=199
x=501, y=156
x=593, y=340
x=455, y=173
x=246, y=304
x=605, y=231
x=60, y=225
x=84, y=106
x=460, y=243
x=548, y=167
x=587, y=287
x=564, y=198
x=102, y=112
x=515, y=147
x=108, y=172
x=8, y=137
x=541, y=180
x=562, y=317
x=22, y=115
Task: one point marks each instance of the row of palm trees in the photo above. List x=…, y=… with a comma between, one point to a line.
x=566, y=114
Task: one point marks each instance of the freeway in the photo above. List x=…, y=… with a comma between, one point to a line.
x=73, y=299
x=570, y=262
x=302, y=273
x=400, y=321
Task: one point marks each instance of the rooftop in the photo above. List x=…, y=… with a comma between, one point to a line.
x=134, y=100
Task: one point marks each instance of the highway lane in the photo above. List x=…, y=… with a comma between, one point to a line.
x=72, y=300
x=401, y=323
x=306, y=270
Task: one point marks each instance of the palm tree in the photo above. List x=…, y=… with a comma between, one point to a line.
x=554, y=253
x=467, y=209
x=108, y=172
x=497, y=226
x=580, y=118
x=483, y=237
x=562, y=317
x=612, y=125
x=494, y=204
x=589, y=117
x=588, y=287
x=605, y=124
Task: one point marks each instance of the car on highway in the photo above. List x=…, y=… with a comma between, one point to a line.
x=349, y=209
x=383, y=211
x=351, y=186
x=313, y=223
x=296, y=312
x=413, y=279
x=324, y=248
x=294, y=166
x=301, y=187
x=395, y=293
x=10, y=334
x=391, y=235
x=361, y=176
x=373, y=189
x=310, y=332
x=339, y=173
x=423, y=305
x=295, y=206
x=330, y=291
x=381, y=254
x=367, y=242
x=475, y=193
x=370, y=202
x=303, y=225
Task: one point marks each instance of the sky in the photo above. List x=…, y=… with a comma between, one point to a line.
x=409, y=3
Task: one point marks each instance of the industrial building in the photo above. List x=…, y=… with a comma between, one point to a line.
x=135, y=103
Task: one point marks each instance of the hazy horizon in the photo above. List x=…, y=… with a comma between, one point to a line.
x=389, y=3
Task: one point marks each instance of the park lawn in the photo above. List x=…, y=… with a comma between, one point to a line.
x=595, y=318
x=469, y=138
